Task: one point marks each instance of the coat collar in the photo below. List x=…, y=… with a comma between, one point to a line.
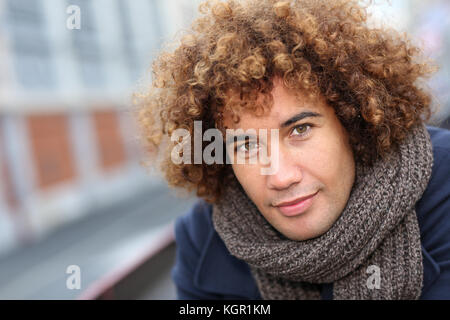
x=220, y=272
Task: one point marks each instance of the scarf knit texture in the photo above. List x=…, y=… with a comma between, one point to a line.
x=378, y=227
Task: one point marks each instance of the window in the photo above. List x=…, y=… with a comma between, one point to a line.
x=86, y=47
x=32, y=55
x=51, y=149
x=109, y=139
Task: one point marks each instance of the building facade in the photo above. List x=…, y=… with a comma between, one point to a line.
x=68, y=143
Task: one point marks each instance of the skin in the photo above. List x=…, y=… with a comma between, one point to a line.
x=314, y=155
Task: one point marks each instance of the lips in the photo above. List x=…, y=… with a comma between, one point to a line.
x=297, y=206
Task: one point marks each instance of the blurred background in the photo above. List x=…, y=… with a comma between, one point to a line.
x=80, y=217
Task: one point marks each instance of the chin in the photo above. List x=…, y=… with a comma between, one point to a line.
x=307, y=231
x=303, y=236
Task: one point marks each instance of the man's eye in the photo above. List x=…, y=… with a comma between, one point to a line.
x=301, y=130
x=247, y=147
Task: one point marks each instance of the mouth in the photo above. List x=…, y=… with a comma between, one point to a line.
x=296, y=206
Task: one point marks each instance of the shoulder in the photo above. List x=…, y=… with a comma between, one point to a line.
x=195, y=225
x=438, y=188
x=433, y=213
x=204, y=268
x=440, y=138
x=191, y=232
x=439, y=185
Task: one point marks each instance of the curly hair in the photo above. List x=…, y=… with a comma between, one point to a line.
x=326, y=48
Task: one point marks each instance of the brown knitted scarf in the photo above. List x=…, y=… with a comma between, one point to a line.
x=378, y=227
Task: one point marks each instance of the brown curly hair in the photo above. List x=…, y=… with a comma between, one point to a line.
x=320, y=47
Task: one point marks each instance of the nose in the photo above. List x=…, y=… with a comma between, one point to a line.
x=289, y=171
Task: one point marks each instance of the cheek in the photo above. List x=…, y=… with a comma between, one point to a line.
x=250, y=180
x=328, y=161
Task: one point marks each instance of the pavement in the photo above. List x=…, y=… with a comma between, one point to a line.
x=98, y=244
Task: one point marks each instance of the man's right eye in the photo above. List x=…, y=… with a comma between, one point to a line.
x=247, y=147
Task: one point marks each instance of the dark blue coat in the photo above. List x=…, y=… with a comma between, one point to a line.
x=204, y=268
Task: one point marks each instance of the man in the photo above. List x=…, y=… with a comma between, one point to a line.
x=356, y=203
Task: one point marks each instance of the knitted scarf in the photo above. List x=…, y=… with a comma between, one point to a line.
x=377, y=230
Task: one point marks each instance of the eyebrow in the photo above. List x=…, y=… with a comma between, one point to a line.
x=298, y=117
x=287, y=123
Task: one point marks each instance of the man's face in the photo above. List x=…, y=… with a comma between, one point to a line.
x=315, y=160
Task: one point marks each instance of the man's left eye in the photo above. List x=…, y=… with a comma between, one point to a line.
x=302, y=129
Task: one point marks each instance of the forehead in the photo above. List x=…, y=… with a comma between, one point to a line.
x=285, y=104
